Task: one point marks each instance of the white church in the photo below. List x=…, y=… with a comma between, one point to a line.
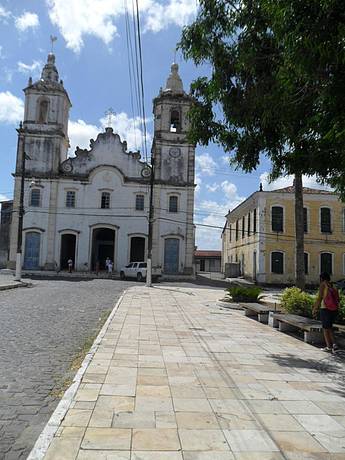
x=95, y=204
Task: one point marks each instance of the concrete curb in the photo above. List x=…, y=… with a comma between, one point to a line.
x=5, y=287
x=45, y=438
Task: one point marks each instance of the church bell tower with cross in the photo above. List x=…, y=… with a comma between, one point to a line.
x=45, y=124
x=174, y=163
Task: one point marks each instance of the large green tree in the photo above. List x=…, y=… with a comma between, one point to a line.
x=275, y=88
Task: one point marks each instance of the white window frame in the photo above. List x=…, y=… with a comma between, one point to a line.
x=281, y=252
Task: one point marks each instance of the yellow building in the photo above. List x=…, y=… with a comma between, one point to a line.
x=259, y=236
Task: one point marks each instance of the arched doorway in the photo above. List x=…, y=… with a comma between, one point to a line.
x=171, y=255
x=137, y=253
x=32, y=251
x=103, y=246
x=68, y=245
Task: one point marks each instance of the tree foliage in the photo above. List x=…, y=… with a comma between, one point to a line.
x=275, y=86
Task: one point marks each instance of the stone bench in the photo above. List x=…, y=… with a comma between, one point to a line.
x=311, y=328
x=258, y=310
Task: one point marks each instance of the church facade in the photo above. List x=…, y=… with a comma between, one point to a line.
x=94, y=205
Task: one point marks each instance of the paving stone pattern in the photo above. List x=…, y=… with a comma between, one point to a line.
x=42, y=328
x=175, y=378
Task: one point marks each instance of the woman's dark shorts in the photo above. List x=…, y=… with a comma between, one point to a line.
x=327, y=317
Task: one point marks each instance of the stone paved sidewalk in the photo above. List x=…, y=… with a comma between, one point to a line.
x=176, y=378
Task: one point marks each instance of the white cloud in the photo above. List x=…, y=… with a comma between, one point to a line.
x=159, y=16
x=212, y=187
x=205, y=164
x=33, y=69
x=210, y=237
x=225, y=159
x=80, y=134
x=26, y=21
x=4, y=14
x=286, y=181
x=77, y=19
x=128, y=129
x=11, y=108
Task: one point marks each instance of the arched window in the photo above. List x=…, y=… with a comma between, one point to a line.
x=277, y=219
x=173, y=204
x=326, y=262
x=35, y=197
x=105, y=200
x=175, y=121
x=43, y=111
x=277, y=262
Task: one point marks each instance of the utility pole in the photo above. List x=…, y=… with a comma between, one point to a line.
x=18, y=275
x=150, y=230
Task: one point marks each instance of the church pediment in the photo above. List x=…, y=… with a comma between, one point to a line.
x=106, y=150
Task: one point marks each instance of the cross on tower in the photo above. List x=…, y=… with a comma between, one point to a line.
x=52, y=40
x=110, y=113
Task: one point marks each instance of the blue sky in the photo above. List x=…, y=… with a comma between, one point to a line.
x=91, y=56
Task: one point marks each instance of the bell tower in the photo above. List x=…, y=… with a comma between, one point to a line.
x=173, y=154
x=44, y=129
x=174, y=164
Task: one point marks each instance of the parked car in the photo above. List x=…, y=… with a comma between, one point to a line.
x=134, y=270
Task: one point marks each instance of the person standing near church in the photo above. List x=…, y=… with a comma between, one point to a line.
x=110, y=267
x=107, y=260
x=70, y=265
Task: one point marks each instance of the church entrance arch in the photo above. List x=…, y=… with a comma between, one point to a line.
x=137, y=253
x=68, y=247
x=103, y=246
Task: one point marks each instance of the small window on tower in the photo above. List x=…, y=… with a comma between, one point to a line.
x=35, y=198
x=173, y=204
x=43, y=111
x=175, y=121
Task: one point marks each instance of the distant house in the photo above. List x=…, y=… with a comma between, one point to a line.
x=259, y=235
x=208, y=261
x=5, y=224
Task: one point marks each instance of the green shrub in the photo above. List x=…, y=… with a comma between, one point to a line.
x=244, y=294
x=341, y=312
x=298, y=302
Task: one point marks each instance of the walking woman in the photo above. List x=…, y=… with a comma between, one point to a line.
x=327, y=302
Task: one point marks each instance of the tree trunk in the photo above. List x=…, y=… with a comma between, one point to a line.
x=299, y=229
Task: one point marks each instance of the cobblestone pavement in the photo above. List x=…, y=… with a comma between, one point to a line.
x=177, y=378
x=41, y=330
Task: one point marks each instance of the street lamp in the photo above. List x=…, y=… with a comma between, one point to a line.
x=18, y=274
x=150, y=172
